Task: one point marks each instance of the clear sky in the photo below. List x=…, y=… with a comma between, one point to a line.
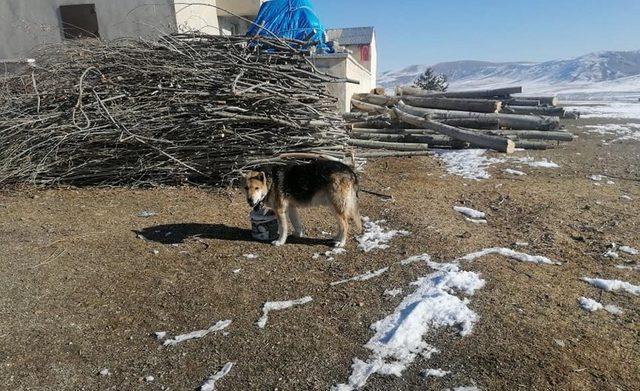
x=431, y=31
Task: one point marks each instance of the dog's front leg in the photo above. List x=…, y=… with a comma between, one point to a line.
x=283, y=230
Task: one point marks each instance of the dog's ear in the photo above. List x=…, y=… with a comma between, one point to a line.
x=263, y=177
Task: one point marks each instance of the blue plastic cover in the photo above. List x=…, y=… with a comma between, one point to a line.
x=295, y=19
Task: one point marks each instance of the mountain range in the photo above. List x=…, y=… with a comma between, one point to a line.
x=595, y=73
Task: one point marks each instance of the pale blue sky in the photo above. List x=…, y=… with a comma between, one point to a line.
x=430, y=31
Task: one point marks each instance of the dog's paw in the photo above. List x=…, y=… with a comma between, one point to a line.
x=299, y=234
x=340, y=243
x=278, y=243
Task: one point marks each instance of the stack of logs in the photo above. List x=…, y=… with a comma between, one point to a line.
x=415, y=120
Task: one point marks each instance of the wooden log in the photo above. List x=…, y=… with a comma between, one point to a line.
x=544, y=100
x=493, y=93
x=380, y=100
x=374, y=124
x=474, y=123
x=531, y=110
x=475, y=105
x=368, y=107
x=392, y=154
x=430, y=139
x=512, y=121
x=378, y=91
x=534, y=134
x=528, y=144
x=493, y=142
x=521, y=102
x=387, y=145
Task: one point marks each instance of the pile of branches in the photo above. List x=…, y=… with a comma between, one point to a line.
x=414, y=120
x=187, y=108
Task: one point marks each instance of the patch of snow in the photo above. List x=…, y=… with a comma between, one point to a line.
x=375, y=237
x=434, y=373
x=596, y=178
x=590, y=305
x=398, y=338
x=236, y=271
x=146, y=213
x=613, y=285
x=620, y=132
x=463, y=388
x=471, y=213
x=531, y=162
x=393, y=292
x=104, y=372
x=221, y=325
x=149, y=378
x=416, y=258
x=514, y=172
x=628, y=250
x=613, y=309
x=331, y=254
x=522, y=244
x=250, y=256
x=560, y=343
x=362, y=277
x=627, y=267
x=210, y=383
x=160, y=335
x=507, y=252
x=626, y=197
x=467, y=163
x=277, y=306
x=627, y=110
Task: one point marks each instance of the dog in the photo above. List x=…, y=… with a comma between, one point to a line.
x=286, y=188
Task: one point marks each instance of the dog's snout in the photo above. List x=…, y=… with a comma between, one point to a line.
x=250, y=202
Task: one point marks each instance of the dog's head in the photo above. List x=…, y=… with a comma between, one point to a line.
x=255, y=187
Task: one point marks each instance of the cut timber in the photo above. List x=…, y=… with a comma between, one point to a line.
x=368, y=107
x=380, y=100
x=512, y=121
x=544, y=100
x=375, y=124
x=475, y=123
x=393, y=154
x=378, y=91
x=385, y=145
x=528, y=144
x=498, y=92
x=493, y=142
x=534, y=134
x=475, y=105
x=533, y=110
x=521, y=102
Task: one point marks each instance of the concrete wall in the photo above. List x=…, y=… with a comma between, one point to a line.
x=25, y=24
x=195, y=15
x=344, y=65
x=372, y=63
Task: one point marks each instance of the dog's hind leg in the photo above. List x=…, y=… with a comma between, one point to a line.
x=343, y=228
x=283, y=229
x=354, y=211
x=298, y=229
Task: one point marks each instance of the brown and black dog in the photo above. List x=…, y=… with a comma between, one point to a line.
x=286, y=188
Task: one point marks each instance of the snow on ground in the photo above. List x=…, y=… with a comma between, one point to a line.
x=250, y=256
x=627, y=267
x=507, y=252
x=613, y=285
x=362, y=277
x=210, y=383
x=472, y=215
x=160, y=335
x=434, y=373
x=514, y=172
x=591, y=305
x=398, y=338
x=277, y=306
x=221, y=325
x=104, y=372
x=531, y=162
x=464, y=388
x=628, y=250
x=620, y=132
x=416, y=258
x=376, y=237
x=467, y=163
x=627, y=110
x=149, y=378
x=331, y=254
x=393, y=292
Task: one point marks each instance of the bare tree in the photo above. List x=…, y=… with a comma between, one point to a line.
x=429, y=80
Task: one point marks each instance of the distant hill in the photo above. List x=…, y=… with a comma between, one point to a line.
x=595, y=72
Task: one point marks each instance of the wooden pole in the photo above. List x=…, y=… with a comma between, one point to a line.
x=475, y=105
x=494, y=93
x=493, y=142
x=534, y=110
x=387, y=145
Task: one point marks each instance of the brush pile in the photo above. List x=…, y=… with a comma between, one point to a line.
x=188, y=108
x=415, y=120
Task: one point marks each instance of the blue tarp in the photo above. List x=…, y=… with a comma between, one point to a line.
x=294, y=19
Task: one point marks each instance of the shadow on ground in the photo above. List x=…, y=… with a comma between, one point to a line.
x=178, y=233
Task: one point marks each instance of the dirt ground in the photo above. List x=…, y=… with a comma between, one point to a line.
x=81, y=290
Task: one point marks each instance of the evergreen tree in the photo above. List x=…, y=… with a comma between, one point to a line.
x=429, y=80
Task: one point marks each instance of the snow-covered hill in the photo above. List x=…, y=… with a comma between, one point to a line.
x=595, y=73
